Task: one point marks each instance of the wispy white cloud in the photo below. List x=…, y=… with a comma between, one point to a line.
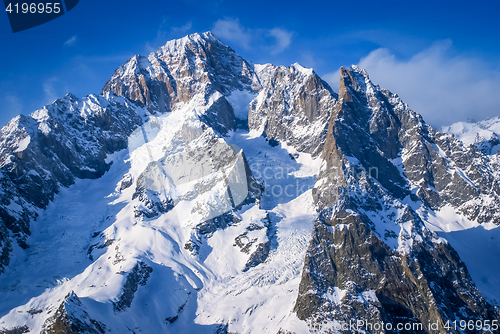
x=309, y=59
x=275, y=40
x=283, y=39
x=333, y=79
x=232, y=31
x=71, y=41
x=50, y=89
x=184, y=29
x=167, y=32
x=443, y=87
x=12, y=103
x=12, y=106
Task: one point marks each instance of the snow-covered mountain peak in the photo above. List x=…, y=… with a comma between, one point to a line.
x=165, y=213
x=485, y=135
x=188, y=41
x=360, y=70
x=356, y=79
x=197, y=64
x=302, y=69
x=293, y=106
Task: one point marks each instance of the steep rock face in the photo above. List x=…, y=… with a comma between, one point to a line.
x=182, y=68
x=71, y=318
x=408, y=156
x=54, y=145
x=293, y=107
x=199, y=170
x=136, y=277
x=71, y=138
x=371, y=257
x=350, y=274
x=191, y=78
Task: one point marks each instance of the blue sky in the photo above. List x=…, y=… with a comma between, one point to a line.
x=441, y=57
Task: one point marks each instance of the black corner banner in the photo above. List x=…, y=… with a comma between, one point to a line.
x=70, y=4
x=26, y=14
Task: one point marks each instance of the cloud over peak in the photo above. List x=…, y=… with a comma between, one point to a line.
x=71, y=41
x=442, y=86
x=283, y=39
x=232, y=31
x=275, y=40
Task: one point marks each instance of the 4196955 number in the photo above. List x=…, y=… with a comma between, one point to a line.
x=34, y=8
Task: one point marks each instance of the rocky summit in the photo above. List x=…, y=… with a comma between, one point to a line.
x=201, y=193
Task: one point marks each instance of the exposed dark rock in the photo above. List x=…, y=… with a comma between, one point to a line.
x=262, y=252
x=273, y=142
x=207, y=228
x=259, y=256
x=350, y=274
x=50, y=148
x=376, y=150
x=15, y=330
x=172, y=319
x=101, y=245
x=136, y=277
x=293, y=107
x=126, y=181
x=376, y=128
x=152, y=208
x=193, y=246
x=71, y=318
x=35, y=311
x=222, y=329
x=5, y=245
x=243, y=242
x=220, y=117
x=177, y=70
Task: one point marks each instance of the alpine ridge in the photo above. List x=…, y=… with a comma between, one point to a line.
x=201, y=193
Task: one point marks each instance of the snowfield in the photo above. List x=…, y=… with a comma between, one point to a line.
x=209, y=288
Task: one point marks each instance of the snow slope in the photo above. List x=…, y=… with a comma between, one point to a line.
x=484, y=134
x=210, y=287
